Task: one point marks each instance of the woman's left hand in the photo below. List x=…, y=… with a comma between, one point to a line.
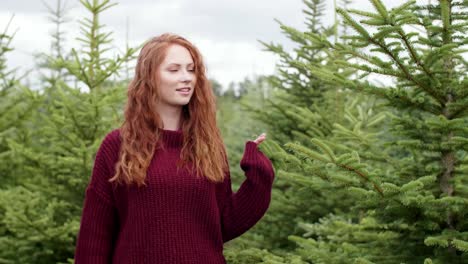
x=260, y=138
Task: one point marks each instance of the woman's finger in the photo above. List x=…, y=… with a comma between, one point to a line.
x=260, y=138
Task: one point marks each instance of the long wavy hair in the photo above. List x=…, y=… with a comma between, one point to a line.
x=203, y=146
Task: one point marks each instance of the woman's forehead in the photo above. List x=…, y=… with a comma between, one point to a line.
x=179, y=55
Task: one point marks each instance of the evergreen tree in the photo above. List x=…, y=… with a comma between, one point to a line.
x=41, y=213
x=16, y=104
x=299, y=106
x=236, y=123
x=412, y=207
x=397, y=209
x=45, y=61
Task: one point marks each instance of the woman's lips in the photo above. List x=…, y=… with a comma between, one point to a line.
x=184, y=91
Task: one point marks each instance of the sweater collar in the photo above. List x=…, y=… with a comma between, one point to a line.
x=172, y=138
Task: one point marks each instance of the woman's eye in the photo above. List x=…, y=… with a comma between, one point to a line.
x=174, y=70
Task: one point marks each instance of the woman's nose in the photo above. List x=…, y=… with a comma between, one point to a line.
x=186, y=76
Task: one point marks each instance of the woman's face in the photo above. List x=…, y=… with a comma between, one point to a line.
x=177, y=77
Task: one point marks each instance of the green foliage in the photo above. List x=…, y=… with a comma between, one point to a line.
x=255, y=255
x=298, y=107
x=49, y=162
x=408, y=176
x=59, y=17
x=16, y=104
x=355, y=241
x=236, y=123
x=367, y=171
x=93, y=68
x=7, y=77
x=35, y=229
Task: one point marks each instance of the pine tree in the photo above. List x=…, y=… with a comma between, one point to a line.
x=89, y=65
x=300, y=107
x=41, y=213
x=412, y=207
x=50, y=73
x=16, y=104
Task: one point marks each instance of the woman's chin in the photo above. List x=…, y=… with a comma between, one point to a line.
x=182, y=102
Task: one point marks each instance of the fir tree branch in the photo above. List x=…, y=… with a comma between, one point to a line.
x=362, y=86
x=362, y=175
x=342, y=163
x=281, y=110
x=368, y=69
x=379, y=6
x=387, y=51
x=407, y=74
x=363, y=13
x=413, y=53
x=456, y=113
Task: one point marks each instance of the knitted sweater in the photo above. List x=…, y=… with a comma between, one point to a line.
x=177, y=218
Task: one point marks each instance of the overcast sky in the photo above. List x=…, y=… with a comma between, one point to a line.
x=225, y=31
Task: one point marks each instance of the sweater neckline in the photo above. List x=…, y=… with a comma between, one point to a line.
x=172, y=138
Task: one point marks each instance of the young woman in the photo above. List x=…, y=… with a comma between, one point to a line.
x=160, y=191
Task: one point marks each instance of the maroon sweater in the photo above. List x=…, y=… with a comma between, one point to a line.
x=176, y=218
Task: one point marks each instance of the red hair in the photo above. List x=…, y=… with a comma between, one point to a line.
x=203, y=146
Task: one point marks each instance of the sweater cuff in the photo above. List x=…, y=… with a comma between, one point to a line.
x=251, y=151
x=256, y=165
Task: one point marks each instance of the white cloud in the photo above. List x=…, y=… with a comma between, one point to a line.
x=31, y=36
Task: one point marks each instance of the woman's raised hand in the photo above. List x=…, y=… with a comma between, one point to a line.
x=260, y=138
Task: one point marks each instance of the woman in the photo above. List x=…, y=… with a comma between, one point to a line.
x=160, y=191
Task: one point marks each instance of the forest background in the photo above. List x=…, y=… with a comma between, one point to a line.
x=367, y=124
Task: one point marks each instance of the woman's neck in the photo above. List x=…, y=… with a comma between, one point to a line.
x=171, y=117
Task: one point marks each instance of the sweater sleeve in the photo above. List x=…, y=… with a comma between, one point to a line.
x=243, y=209
x=98, y=225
